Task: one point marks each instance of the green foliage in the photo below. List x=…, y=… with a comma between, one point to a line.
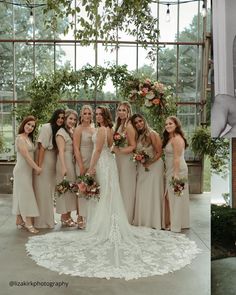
x=99, y=19
x=46, y=91
x=1, y=143
x=24, y=55
x=216, y=148
x=223, y=225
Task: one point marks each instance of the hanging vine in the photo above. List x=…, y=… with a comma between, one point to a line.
x=99, y=19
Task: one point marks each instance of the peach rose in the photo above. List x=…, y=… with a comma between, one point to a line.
x=138, y=157
x=156, y=101
x=82, y=187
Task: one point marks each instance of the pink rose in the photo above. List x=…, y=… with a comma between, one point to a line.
x=138, y=157
x=144, y=91
x=117, y=136
x=82, y=187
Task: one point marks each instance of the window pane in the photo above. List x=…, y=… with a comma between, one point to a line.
x=6, y=30
x=24, y=71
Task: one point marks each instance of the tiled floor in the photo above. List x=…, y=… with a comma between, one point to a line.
x=16, y=266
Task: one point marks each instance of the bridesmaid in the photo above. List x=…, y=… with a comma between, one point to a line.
x=24, y=202
x=126, y=167
x=150, y=185
x=66, y=202
x=176, y=207
x=83, y=149
x=44, y=184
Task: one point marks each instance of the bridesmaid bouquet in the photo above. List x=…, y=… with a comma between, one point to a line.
x=141, y=156
x=119, y=139
x=64, y=186
x=178, y=185
x=87, y=187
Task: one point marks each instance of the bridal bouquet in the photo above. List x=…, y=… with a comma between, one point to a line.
x=64, y=186
x=178, y=185
x=119, y=139
x=141, y=156
x=87, y=187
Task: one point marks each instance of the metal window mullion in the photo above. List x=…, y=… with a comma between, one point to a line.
x=14, y=77
x=157, y=52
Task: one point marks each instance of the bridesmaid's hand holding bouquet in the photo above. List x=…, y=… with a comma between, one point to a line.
x=178, y=185
x=141, y=156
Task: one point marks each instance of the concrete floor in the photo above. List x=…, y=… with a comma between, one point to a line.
x=16, y=266
x=223, y=273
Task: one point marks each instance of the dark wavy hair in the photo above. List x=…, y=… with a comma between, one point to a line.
x=107, y=117
x=143, y=134
x=178, y=130
x=129, y=111
x=22, y=125
x=54, y=125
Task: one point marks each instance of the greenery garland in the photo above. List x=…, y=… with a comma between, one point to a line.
x=46, y=91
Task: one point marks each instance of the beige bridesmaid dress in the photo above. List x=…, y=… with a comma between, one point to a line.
x=66, y=202
x=44, y=184
x=86, y=150
x=127, y=179
x=149, y=192
x=24, y=201
x=178, y=206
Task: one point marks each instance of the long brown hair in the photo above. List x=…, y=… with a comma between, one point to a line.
x=129, y=111
x=68, y=112
x=107, y=117
x=178, y=130
x=143, y=134
x=22, y=125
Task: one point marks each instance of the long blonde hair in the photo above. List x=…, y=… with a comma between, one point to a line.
x=84, y=107
x=129, y=114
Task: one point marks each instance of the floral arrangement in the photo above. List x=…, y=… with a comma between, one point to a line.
x=178, y=185
x=119, y=139
x=87, y=187
x=64, y=186
x=148, y=93
x=152, y=98
x=141, y=156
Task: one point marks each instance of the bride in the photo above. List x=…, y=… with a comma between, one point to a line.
x=110, y=246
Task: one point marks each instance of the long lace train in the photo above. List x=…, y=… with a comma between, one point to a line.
x=110, y=247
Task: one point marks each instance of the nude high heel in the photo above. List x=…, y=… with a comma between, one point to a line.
x=31, y=229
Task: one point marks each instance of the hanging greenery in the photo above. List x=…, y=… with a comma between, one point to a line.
x=216, y=148
x=99, y=19
x=154, y=100
x=46, y=91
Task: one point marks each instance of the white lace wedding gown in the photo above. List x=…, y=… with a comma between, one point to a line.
x=110, y=247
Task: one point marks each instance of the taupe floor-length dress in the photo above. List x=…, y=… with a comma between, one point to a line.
x=127, y=180
x=86, y=150
x=66, y=202
x=24, y=202
x=149, y=192
x=44, y=184
x=178, y=206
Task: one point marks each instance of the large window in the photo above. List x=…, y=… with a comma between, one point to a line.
x=28, y=49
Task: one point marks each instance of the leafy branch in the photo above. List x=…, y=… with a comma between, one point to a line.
x=99, y=19
x=216, y=148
